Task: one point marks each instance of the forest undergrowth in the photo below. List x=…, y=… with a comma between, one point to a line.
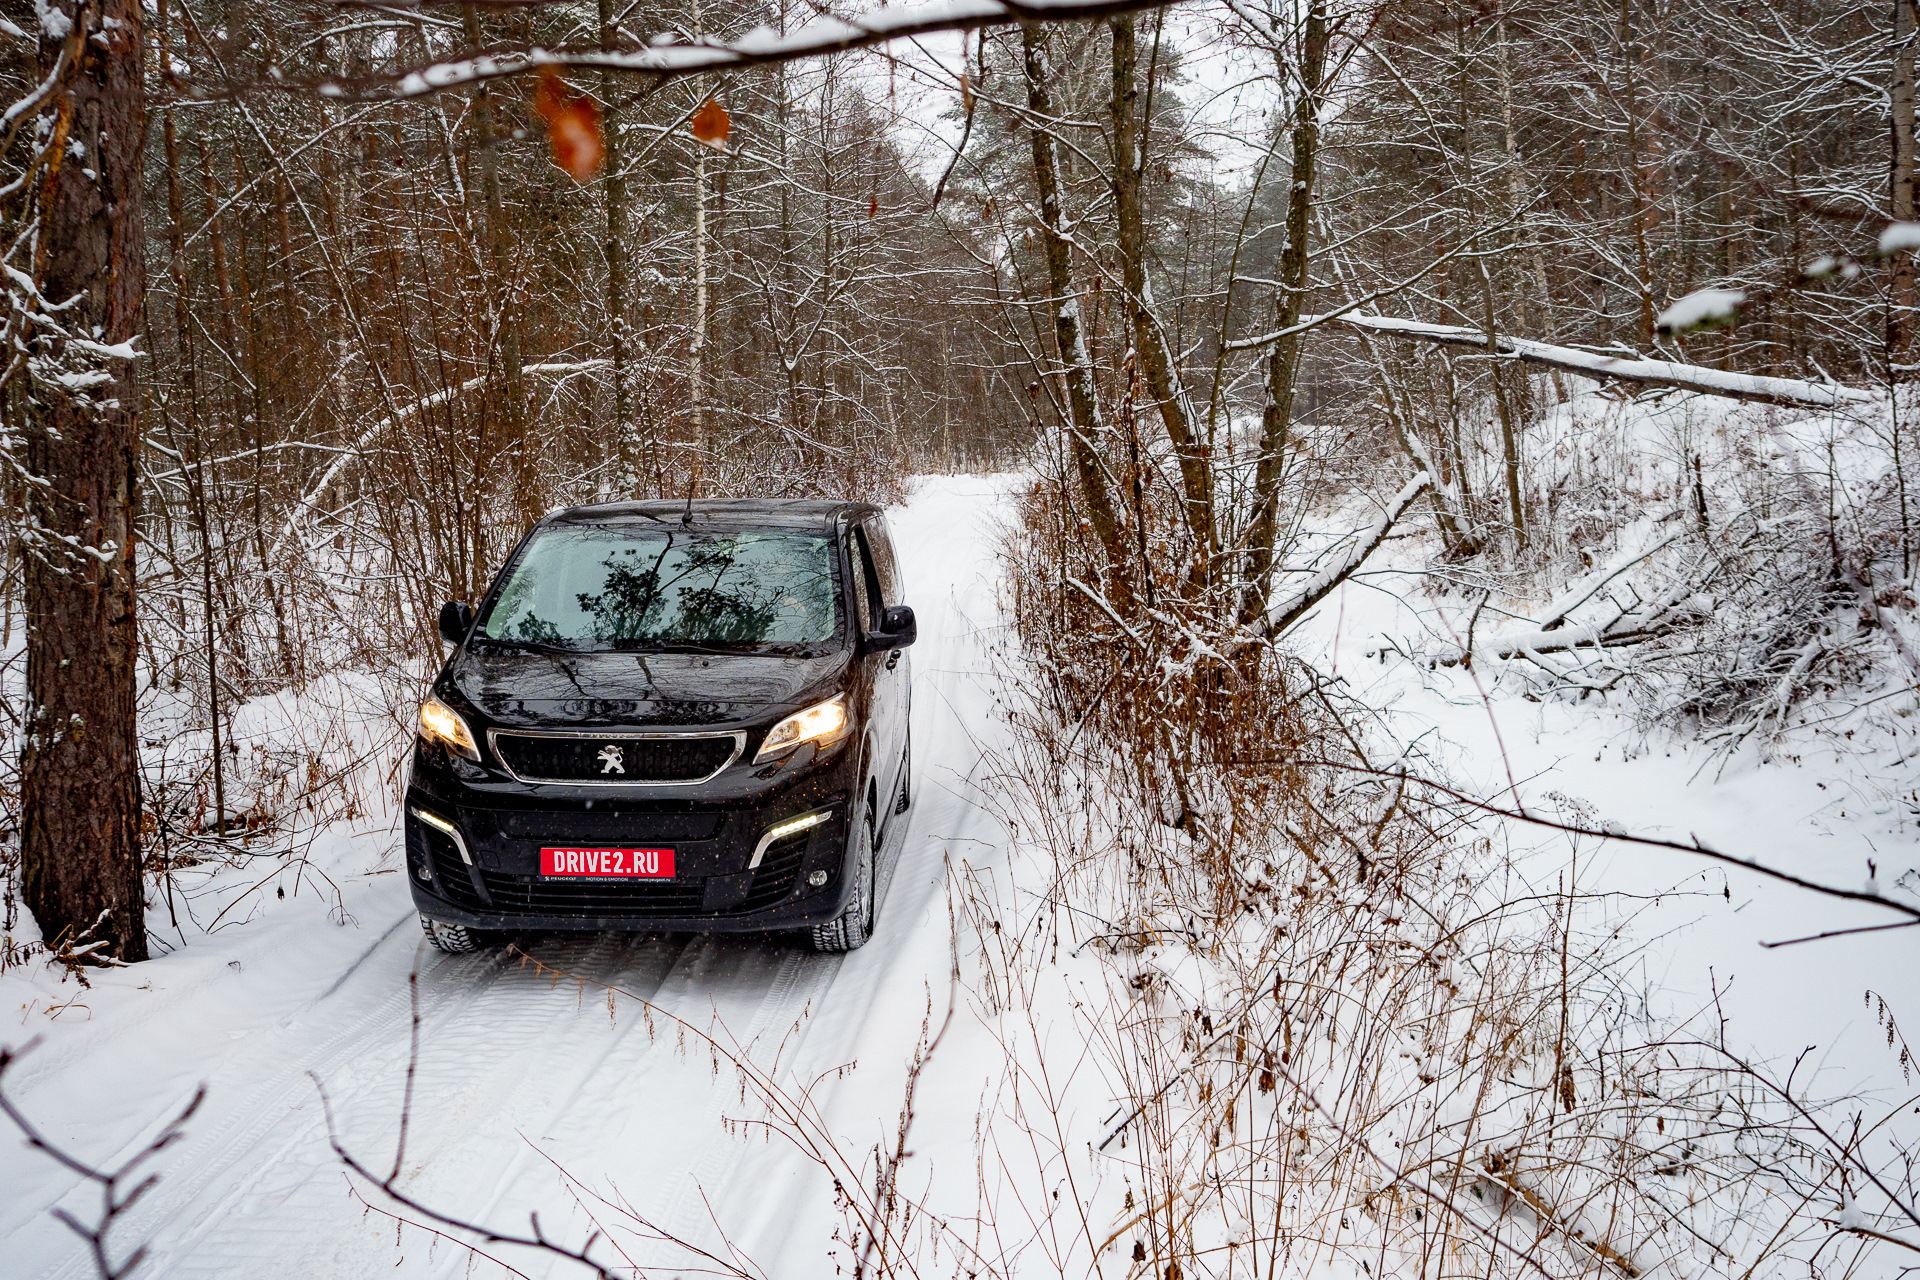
x=1345, y=1020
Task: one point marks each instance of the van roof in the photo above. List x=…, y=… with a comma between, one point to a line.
x=719, y=513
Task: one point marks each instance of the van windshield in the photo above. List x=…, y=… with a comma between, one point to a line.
x=587, y=586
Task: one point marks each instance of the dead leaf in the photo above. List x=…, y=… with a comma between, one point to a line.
x=873, y=207
x=966, y=90
x=573, y=126
x=712, y=125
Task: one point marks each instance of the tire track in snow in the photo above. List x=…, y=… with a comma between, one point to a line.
x=233, y=1128
x=609, y=1088
x=206, y=1176
x=775, y=1199
x=803, y=987
x=483, y=1041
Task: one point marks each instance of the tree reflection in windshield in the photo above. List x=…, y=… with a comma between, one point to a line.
x=650, y=588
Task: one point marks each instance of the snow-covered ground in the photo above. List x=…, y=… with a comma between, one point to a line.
x=534, y=1091
x=1833, y=803
x=523, y=1079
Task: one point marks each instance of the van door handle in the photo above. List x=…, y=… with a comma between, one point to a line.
x=893, y=659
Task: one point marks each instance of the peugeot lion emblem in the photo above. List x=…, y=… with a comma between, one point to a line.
x=612, y=759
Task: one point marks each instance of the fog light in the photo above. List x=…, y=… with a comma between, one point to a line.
x=817, y=878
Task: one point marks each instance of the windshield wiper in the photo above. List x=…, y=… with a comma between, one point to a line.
x=641, y=646
x=537, y=646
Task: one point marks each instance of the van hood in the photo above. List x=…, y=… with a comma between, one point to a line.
x=524, y=688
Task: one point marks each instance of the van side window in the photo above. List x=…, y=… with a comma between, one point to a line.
x=866, y=582
x=887, y=568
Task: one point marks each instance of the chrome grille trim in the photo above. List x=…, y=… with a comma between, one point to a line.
x=738, y=737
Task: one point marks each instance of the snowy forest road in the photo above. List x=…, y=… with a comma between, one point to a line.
x=530, y=1091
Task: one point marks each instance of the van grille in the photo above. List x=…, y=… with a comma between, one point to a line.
x=593, y=896
x=613, y=826
x=615, y=759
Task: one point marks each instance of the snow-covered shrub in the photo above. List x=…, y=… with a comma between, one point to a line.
x=1331, y=1024
x=1710, y=564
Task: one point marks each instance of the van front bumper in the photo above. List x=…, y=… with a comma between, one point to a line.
x=742, y=860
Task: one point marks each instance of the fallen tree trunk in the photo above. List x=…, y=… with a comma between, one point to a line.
x=1627, y=628
x=1792, y=392
x=1632, y=623
x=1281, y=616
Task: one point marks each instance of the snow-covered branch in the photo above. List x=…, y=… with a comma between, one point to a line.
x=1290, y=611
x=761, y=46
x=318, y=488
x=1793, y=392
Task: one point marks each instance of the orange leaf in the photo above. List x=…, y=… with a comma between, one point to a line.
x=573, y=126
x=873, y=207
x=712, y=125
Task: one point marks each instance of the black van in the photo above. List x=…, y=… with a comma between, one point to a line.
x=667, y=716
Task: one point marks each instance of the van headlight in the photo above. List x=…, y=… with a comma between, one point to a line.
x=442, y=724
x=818, y=723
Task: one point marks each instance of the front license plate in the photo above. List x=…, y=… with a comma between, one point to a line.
x=645, y=864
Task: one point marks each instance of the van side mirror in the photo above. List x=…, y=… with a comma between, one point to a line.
x=897, y=628
x=456, y=619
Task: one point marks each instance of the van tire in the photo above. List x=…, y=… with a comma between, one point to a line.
x=454, y=939
x=850, y=930
x=906, y=777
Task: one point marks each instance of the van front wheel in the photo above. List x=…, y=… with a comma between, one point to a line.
x=454, y=939
x=854, y=925
x=906, y=777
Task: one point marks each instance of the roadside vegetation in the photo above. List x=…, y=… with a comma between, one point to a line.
x=1586, y=334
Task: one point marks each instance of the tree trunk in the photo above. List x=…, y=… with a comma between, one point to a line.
x=1637, y=178
x=697, y=349
x=195, y=477
x=79, y=780
x=1454, y=538
x=1538, y=301
x=1509, y=439
x=1156, y=363
x=697, y=353
x=616, y=264
x=1900, y=292
x=1509, y=442
x=1283, y=361
x=1066, y=318
x=505, y=317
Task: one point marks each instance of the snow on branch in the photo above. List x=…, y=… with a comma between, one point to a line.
x=824, y=34
x=1285, y=614
x=1793, y=392
x=1622, y=624
x=318, y=488
x=1626, y=626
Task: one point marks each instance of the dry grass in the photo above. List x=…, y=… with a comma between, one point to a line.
x=1343, y=1023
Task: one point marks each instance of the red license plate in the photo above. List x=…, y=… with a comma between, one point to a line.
x=646, y=864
